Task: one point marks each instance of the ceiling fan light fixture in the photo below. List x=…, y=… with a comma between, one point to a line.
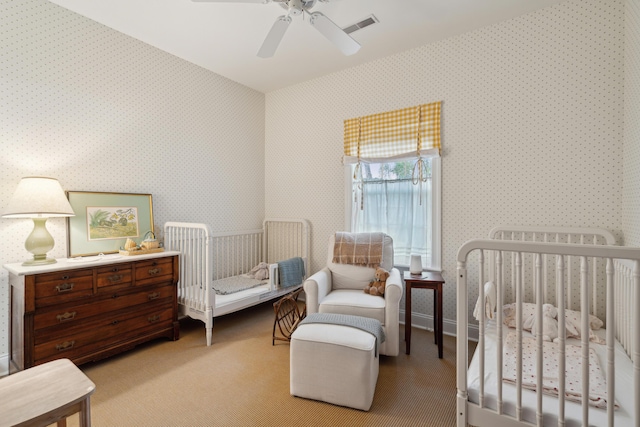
x=295, y=7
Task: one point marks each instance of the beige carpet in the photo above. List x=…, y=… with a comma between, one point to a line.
x=242, y=380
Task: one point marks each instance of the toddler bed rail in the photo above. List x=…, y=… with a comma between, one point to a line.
x=208, y=257
x=610, y=275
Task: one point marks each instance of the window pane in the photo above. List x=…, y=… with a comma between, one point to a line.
x=385, y=199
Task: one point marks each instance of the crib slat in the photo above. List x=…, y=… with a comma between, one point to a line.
x=536, y=273
x=611, y=368
x=539, y=344
x=481, y=324
x=584, y=293
x=545, y=270
x=500, y=302
x=462, y=346
x=594, y=283
x=519, y=291
x=560, y=289
x=513, y=272
x=636, y=345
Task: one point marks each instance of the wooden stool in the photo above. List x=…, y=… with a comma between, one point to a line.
x=45, y=394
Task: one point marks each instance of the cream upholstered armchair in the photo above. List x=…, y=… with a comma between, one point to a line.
x=339, y=288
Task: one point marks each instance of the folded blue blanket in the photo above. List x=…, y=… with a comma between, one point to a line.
x=291, y=272
x=372, y=326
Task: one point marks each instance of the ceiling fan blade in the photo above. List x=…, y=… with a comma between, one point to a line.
x=274, y=37
x=330, y=30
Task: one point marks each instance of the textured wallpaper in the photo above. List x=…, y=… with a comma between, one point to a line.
x=631, y=206
x=533, y=127
x=532, y=119
x=101, y=111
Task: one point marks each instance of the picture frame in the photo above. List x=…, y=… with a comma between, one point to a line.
x=103, y=221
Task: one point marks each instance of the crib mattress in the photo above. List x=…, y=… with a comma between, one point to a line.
x=573, y=411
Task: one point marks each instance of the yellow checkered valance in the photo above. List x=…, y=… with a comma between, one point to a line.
x=393, y=134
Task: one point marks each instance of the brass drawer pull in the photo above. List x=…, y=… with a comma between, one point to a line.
x=64, y=287
x=115, y=278
x=115, y=269
x=153, y=319
x=66, y=316
x=154, y=271
x=65, y=345
x=153, y=296
x=114, y=296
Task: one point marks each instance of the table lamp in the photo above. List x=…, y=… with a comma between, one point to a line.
x=415, y=267
x=38, y=198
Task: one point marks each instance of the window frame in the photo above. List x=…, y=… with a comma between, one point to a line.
x=436, y=204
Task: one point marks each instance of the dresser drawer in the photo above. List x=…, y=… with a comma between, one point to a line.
x=154, y=269
x=57, y=288
x=69, y=316
x=103, y=333
x=118, y=275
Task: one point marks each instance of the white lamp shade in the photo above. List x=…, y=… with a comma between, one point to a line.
x=38, y=197
x=416, y=264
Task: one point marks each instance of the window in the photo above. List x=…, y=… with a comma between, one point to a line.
x=393, y=179
x=383, y=197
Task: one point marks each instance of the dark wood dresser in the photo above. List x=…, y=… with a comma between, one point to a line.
x=89, y=310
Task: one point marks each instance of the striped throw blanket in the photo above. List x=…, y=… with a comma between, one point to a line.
x=364, y=249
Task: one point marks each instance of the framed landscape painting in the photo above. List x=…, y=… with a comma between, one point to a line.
x=104, y=221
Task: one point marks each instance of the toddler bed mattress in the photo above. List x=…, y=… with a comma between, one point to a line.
x=573, y=410
x=233, y=284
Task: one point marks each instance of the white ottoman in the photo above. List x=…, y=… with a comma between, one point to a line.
x=335, y=364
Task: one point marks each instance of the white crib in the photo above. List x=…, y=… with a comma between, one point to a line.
x=532, y=264
x=207, y=256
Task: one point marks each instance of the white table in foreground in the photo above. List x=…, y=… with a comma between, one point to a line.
x=45, y=394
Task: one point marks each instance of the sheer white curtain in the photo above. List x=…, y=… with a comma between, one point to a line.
x=393, y=207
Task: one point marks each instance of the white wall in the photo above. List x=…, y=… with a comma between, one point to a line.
x=532, y=128
x=631, y=207
x=101, y=111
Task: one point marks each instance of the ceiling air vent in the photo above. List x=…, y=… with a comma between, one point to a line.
x=370, y=20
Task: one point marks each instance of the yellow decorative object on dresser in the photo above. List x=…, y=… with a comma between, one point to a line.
x=149, y=242
x=148, y=246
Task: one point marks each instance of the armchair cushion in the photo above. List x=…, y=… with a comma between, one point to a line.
x=354, y=302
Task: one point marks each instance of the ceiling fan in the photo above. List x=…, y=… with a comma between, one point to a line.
x=320, y=22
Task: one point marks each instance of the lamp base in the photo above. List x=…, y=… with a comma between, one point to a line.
x=39, y=243
x=39, y=261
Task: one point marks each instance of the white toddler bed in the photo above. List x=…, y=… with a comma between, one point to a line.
x=502, y=385
x=224, y=259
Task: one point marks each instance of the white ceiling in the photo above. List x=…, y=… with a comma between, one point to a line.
x=225, y=37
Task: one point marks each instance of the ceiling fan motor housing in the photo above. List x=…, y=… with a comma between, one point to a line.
x=296, y=7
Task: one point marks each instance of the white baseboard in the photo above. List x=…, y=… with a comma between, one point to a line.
x=425, y=321
x=4, y=364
